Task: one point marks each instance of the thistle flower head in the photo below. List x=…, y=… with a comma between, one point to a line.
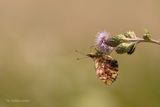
x=101, y=42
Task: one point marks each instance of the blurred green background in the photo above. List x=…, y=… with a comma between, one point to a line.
x=38, y=66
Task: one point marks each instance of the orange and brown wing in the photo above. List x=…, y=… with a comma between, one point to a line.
x=106, y=69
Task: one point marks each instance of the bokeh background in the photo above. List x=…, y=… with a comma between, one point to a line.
x=38, y=66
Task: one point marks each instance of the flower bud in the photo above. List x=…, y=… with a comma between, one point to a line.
x=125, y=48
x=130, y=34
x=115, y=40
x=146, y=35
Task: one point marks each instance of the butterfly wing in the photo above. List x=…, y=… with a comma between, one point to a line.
x=106, y=69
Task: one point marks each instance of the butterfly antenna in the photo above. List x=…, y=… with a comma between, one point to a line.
x=82, y=58
x=80, y=52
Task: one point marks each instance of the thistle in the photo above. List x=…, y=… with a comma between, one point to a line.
x=101, y=45
x=106, y=66
x=127, y=42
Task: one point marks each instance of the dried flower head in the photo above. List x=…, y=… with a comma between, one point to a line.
x=101, y=43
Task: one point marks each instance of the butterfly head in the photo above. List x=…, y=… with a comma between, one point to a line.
x=95, y=55
x=91, y=55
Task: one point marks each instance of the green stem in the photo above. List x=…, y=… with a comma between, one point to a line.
x=155, y=41
x=139, y=40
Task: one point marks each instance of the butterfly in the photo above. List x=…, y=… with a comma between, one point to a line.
x=106, y=67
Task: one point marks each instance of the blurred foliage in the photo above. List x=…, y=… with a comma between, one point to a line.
x=38, y=66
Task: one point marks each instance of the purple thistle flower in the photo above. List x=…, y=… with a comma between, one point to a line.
x=100, y=42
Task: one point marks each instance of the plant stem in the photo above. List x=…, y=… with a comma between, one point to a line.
x=139, y=40
x=155, y=41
